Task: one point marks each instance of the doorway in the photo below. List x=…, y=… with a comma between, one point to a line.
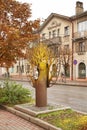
x=82, y=70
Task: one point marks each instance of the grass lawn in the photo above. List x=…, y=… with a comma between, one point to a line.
x=66, y=119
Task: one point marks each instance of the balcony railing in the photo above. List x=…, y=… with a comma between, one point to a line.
x=51, y=41
x=79, y=35
x=81, y=53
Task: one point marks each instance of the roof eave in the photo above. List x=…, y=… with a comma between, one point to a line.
x=51, y=16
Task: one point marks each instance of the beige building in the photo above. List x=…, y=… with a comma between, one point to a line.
x=79, y=39
x=70, y=32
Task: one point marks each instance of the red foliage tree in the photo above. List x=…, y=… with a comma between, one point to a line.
x=16, y=30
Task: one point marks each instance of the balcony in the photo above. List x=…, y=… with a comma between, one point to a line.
x=81, y=53
x=80, y=35
x=66, y=38
x=52, y=41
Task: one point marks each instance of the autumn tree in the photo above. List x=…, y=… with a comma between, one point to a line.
x=16, y=30
x=65, y=58
x=40, y=59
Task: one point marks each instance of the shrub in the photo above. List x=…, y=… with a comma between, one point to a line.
x=13, y=93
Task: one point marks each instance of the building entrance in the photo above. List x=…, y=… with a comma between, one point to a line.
x=82, y=70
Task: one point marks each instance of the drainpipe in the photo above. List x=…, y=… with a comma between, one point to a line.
x=72, y=50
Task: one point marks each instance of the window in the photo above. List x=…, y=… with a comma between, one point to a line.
x=54, y=33
x=81, y=47
x=43, y=36
x=17, y=69
x=58, y=32
x=82, y=26
x=22, y=68
x=12, y=69
x=66, y=48
x=49, y=34
x=27, y=68
x=66, y=30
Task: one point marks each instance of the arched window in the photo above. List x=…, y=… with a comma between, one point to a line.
x=82, y=70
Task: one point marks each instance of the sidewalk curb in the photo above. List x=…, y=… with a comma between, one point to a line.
x=34, y=120
x=71, y=84
x=34, y=113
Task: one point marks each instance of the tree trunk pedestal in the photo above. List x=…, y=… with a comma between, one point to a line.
x=41, y=87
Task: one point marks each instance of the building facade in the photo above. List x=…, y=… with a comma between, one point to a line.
x=70, y=32
x=79, y=40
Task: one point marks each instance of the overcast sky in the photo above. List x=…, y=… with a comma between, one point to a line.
x=43, y=8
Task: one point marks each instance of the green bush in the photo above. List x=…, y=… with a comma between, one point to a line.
x=13, y=93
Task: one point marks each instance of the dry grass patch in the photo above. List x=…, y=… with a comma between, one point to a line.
x=66, y=119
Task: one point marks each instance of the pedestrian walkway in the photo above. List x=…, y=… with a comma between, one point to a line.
x=67, y=81
x=9, y=121
x=78, y=82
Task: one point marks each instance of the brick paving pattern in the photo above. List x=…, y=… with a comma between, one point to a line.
x=9, y=121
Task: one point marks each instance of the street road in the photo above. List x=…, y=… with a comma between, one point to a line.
x=72, y=96
x=75, y=97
